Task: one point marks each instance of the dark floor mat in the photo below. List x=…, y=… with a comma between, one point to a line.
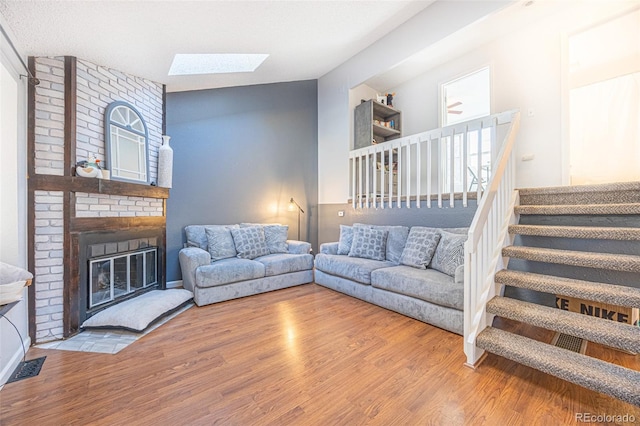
x=27, y=369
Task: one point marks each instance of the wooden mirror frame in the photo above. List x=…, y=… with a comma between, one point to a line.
x=131, y=124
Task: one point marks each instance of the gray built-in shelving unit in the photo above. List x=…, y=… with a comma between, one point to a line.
x=366, y=129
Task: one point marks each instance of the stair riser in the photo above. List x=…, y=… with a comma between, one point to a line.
x=604, y=187
x=609, y=264
x=608, y=197
x=630, y=279
x=578, y=244
x=533, y=296
x=580, y=210
x=614, y=221
x=578, y=233
x=627, y=296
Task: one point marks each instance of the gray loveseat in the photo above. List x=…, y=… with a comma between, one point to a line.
x=418, y=273
x=224, y=262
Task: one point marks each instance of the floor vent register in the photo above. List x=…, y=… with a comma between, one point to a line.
x=571, y=343
x=27, y=369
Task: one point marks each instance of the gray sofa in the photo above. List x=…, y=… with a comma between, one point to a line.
x=216, y=267
x=418, y=291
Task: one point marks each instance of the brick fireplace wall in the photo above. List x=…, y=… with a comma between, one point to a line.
x=49, y=265
x=100, y=205
x=97, y=87
x=49, y=155
x=94, y=88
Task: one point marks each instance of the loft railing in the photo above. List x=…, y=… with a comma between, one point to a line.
x=488, y=234
x=451, y=161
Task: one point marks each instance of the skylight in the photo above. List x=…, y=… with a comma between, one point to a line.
x=215, y=63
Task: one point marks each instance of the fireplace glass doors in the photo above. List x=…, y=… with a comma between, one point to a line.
x=116, y=276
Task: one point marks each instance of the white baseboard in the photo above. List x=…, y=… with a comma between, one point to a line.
x=16, y=359
x=174, y=284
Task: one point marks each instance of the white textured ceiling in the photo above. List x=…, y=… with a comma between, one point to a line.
x=305, y=39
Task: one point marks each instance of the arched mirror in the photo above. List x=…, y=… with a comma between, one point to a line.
x=127, y=143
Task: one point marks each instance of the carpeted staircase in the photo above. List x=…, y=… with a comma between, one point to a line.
x=569, y=238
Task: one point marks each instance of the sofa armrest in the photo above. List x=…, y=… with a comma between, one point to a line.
x=299, y=247
x=191, y=258
x=329, y=248
x=459, y=275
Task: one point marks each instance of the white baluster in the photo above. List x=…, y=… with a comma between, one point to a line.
x=408, y=197
x=418, y=173
x=353, y=182
x=429, y=170
x=439, y=169
x=390, y=176
x=399, y=201
x=452, y=167
x=368, y=185
x=382, y=168
x=360, y=171
x=479, y=165
x=465, y=166
x=375, y=178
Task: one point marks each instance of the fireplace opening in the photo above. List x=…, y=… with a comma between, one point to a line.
x=114, y=266
x=117, y=276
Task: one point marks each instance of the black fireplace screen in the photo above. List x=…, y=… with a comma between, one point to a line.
x=119, y=275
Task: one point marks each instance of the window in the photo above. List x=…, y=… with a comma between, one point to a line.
x=127, y=145
x=463, y=99
x=466, y=98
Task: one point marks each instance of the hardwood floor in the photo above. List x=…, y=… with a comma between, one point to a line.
x=305, y=355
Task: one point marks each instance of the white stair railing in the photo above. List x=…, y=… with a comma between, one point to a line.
x=488, y=234
x=400, y=171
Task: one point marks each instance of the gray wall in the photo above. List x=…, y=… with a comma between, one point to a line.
x=329, y=222
x=240, y=154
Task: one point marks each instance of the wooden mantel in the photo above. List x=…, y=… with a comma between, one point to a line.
x=96, y=186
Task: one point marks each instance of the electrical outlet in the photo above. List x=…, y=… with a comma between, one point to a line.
x=340, y=213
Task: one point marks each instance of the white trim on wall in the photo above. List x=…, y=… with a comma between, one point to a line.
x=564, y=109
x=174, y=284
x=9, y=367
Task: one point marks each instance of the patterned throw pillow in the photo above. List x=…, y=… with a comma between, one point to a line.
x=220, y=243
x=346, y=239
x=396, y=239
x=420, y=247
x=276, y=237
x=369, y=243
x=449, y=253
x=197, y=235
x=250, y=242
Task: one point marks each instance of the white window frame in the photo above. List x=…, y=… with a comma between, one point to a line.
x=482, y=176
x=443, y=103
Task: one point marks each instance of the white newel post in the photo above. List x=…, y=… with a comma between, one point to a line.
x=165, y=163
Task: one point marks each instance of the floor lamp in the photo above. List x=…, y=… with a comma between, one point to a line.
x=292, y=207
